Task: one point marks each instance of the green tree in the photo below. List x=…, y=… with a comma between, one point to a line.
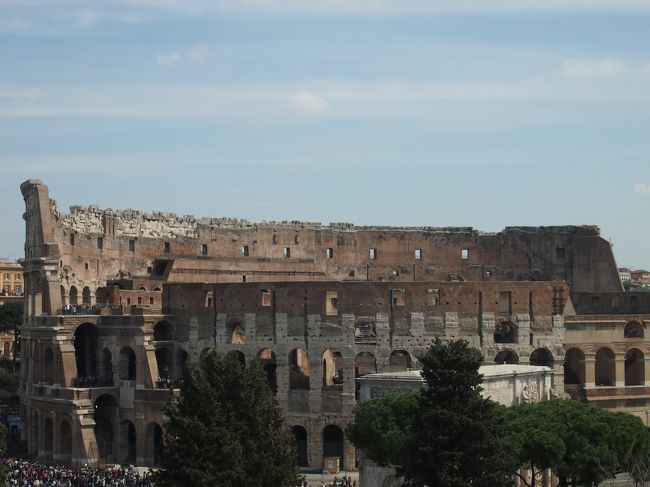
x=227, y=430
x=455, y=436
x=11, y=317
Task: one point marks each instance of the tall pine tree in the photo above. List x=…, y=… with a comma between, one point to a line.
x=227, y=430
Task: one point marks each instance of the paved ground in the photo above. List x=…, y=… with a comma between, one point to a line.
x=314, y=480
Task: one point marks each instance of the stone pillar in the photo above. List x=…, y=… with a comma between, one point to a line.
x=315, y=383
x=619, y=370
x=523, y=331
x=590, y=371
x=140, y=438
x=348, y=455
x=646, y=370
x=488, y=321
x=452, y=325
x=250, y=326
x=417, y=324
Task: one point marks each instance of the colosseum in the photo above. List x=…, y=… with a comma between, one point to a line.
x=117, y=301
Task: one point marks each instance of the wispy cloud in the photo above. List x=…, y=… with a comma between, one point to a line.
x=169, y=59
x=87, y=19
x=642, y=188
x=196, y=53
x=593, y=68
x=309, y=102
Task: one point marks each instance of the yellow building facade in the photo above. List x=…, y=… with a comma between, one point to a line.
x=11, y=282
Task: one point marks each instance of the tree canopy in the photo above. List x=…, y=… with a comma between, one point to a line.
x=453, y=436
x=11, y=315
x=227, y=430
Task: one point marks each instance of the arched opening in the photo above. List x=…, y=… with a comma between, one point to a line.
x=164, y=360
x=127, y=364
x=298, y=370
x=574, y=367
x=542, y=357
x=157, y=289
x=605, y=367
x=106, y=410
x=399, y=361
x=267, y=359
x=333, y=442
x=364, y=363
x=365, y=333
x=64, y=297
x=153, y=444
x=85, y=295
x=48, y=365
x=65, y=442
x=300, y=434
x=332, y=372
x=107, y=368
x=236, y=334
x=127, y=442
x=506, y=357
x=633, y=329
x=634, y=368
x=505, y=332
x=162, y=332
x=85, y=352
x=73, y=296
x=48, y=437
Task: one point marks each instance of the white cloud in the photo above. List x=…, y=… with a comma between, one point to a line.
x=169, y=59
x=588, y=68
x=309, y=103
x=198, y=53
x=642, y=188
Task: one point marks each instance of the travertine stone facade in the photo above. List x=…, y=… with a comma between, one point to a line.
x=117, y=301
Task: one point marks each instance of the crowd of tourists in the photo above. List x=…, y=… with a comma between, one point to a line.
x=23, y=473
x=343, y=481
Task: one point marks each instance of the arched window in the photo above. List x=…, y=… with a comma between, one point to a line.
x=106, y=409
x=164, y=360
x=399, y=360
x=107, y=368
x=48, y=365
x=634, y=368
x=85, y=351
x=333, y=442
x=127, y=364
x=332, y=371
x=574, y=367
x=605, y=367
x=505, y=332
x=542, y=357
x=162, y=332
x=153, y=444
x=365, y=333
x=65, y=441
x=633, y=329
x=127, y=442
x=267, y=359
x=506, y=357
x=85, y=295
x=74, y=296
x=298, y=370
x=300, y=434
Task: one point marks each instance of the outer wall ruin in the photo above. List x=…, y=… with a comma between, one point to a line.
x=116, y=302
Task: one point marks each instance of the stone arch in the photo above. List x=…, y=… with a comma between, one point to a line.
x=542, y=357
x=48, y=437
x=574, y=366
x=505, y=332
x=141, y=288
x=106, y=411
x=127, y=442
x=48, y=366
x=506, y=357
x=85, y=295
x=302, y=456
x=128, y=364
x=399, y=361
x=332, y=367
x=85, y=351
x=153, y=444
x=266, y=356
x=298, y=370
x=65, y=441
x=605, y=367
x=333, y=442
x=633, y=329
x=165, y=362
x=634, y=367
x=157, y=289
x=73, y=296
x=106, y=369
x=163, y=332
x=236, y=333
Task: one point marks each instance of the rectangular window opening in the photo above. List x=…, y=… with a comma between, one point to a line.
x=560, y=252
x=203, y=249
x=244, y=250
x=266, y=297
x=131, y=245
x=329, y=252
x=418, y=254
x=399, y=297
x=100, y=243
x=72, y=239
x=505, y=298
x=286, y=252
x=331, y=303
x=373, y=254
x=166, y=247
x=464, y=254
x=434, y=297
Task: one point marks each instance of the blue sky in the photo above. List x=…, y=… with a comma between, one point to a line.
x=484, y=113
